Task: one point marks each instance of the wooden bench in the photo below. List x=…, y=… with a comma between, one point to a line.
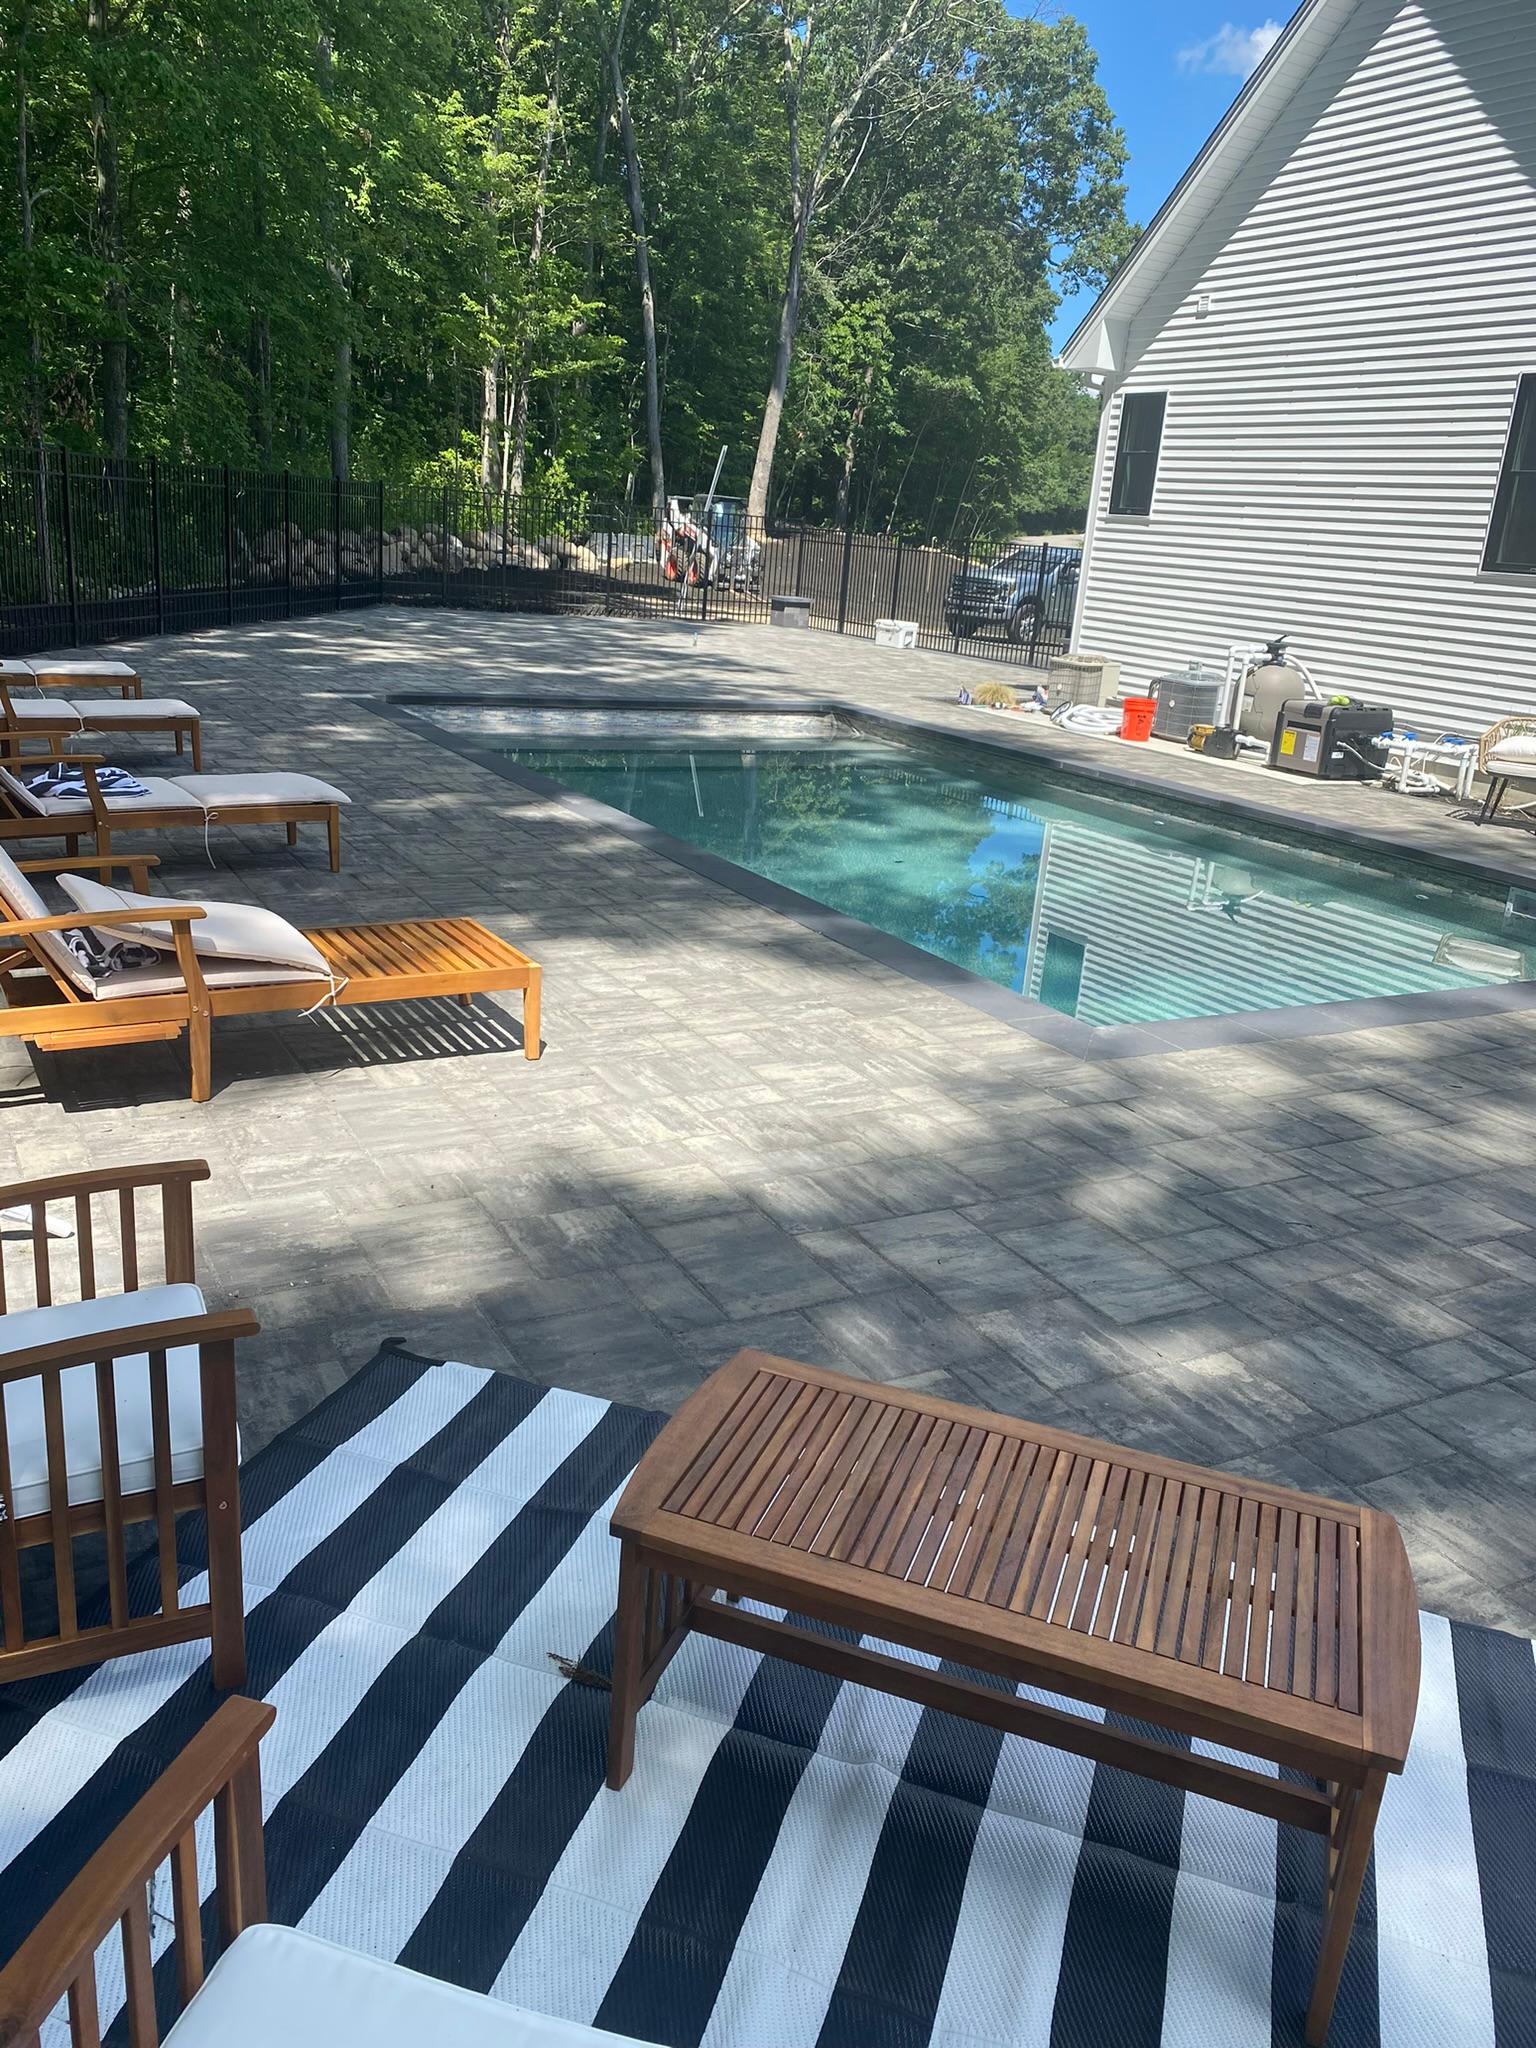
x=1269, y=1621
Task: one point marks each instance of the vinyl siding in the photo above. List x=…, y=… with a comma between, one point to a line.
x=1336, y=423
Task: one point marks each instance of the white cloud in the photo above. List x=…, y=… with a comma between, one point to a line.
x=1232, y=52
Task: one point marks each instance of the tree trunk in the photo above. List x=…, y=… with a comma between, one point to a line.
x=108, y=239
x=261, y=329
x=32, y=402
x=339, y=272
x=524, y=378
x=490, y=412
x=636, y=197
x=773, y=404
x=845, y=481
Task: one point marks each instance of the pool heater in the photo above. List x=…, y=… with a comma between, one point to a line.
x=1334, y=742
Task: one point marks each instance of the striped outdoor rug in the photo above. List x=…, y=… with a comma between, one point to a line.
x=794, y=1861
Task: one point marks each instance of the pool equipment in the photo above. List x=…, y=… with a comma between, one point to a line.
x=1259, y=680
x=1080, y=679
x=1191, y=698
x=1336, y=741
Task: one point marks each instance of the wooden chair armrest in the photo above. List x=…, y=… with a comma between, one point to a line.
x=103, y=1180
x=224, y=1326
x=104, y=863
x=65, y=1940
x=68, y=921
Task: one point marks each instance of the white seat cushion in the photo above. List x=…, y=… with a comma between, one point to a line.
x=260, y=786
x=1513, y=756
x=134, y=710
x=159, y=795
x=235, y=932
x=82, y=668
x=24, y=1398
x=44, y=710
x=274, y=1987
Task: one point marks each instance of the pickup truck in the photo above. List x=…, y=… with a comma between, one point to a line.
x=1023, y=591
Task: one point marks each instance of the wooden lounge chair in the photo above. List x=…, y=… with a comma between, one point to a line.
x=259, y=797
x=72, y=672
x=117, y=1408
x=223, y=960
x=269, y=1984
x=55, y=719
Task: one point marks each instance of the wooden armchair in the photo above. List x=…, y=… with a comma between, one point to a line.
x=116, y=1407
x=268, y=1983
x=219, y=1767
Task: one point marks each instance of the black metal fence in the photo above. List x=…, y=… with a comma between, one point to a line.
x=97, y=551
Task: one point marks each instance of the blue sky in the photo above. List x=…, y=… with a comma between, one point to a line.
x=1170, y=68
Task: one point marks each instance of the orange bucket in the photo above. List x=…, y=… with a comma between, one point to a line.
x=1137, y=716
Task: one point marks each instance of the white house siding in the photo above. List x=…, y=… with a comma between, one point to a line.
x=1335, y=423
x=1159, y=938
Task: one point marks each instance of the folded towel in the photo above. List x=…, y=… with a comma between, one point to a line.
x=101, y=957
x=65, y=779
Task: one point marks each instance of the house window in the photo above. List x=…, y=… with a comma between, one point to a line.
x=1512, y=535
x=1141, y=435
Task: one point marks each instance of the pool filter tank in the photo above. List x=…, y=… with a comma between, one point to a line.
x=1266, y=690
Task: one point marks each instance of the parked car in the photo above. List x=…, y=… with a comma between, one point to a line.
x=1021, y=592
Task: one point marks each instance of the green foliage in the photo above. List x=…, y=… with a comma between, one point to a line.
x=391, y=236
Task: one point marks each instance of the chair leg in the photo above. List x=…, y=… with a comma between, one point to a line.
x=1354, y=1831
x=333, y=834
x=293, y=833
x=200, y=1051
x=221, y=1485
x=1493, y=798
x=195, y=735
x=532, y=994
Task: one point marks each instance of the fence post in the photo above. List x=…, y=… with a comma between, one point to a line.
x=800, y=566
x=71, y=592
x=156, y=544
x=336, y=539
x=960, y=597
x=229, y=551
x=896, y=581
x=287, y=545
x=445, y=543
x=842, y=588
x=379, y=504
x=609, y=592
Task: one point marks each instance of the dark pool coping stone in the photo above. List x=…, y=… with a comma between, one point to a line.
x=1093, y=1042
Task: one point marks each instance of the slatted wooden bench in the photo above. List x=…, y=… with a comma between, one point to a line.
x=1272, y=1622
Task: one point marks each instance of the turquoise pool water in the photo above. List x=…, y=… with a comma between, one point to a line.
x=1107, y=911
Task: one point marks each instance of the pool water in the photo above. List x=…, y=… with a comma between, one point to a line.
x=1106, y=910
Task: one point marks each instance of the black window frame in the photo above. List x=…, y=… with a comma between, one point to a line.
x=1134, y=482
x=1514, y=503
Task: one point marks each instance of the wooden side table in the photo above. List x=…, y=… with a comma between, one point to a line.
x=1270, y=1621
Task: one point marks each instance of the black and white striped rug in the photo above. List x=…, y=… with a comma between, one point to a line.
x=795, y=1863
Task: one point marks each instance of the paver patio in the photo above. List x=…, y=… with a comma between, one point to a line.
x=1312, y=1259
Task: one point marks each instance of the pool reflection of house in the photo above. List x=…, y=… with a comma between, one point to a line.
x=1127, y=932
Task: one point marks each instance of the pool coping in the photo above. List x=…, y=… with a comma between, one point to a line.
x=1091, y=1042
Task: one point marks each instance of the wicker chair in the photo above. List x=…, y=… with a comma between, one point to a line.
x=1506, y=754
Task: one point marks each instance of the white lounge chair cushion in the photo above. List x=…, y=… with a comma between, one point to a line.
x=275, y=1987
x=21, y=900
x=82, y=667
x=14, y=670
x=160, y=794
x=1514, y=756
x=260, y=786
x=99, y=715
x=238, y=933
x=82, y=1436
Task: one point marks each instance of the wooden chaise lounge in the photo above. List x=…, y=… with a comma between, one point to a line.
x=72, y=672
x=222, y=960
x=56, y=719
x=259, y=797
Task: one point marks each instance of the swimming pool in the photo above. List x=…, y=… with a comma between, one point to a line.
x=1108, y=910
